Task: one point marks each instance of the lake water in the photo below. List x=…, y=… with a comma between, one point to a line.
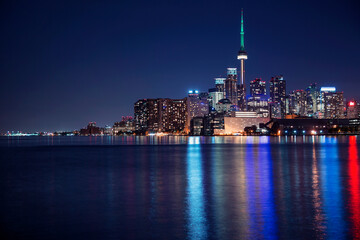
x=180, y=187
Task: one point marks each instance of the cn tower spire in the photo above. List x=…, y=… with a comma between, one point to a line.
x=242, y=45
x=242, y=56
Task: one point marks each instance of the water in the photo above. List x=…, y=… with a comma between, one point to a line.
x=180, y=187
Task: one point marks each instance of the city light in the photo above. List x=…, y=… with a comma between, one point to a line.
x=352, y=103
x=242, y=57
x=328, y=89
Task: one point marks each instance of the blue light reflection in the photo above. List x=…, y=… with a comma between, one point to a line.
x=197, y=221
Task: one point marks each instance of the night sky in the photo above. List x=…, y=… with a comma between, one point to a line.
x=65, y=64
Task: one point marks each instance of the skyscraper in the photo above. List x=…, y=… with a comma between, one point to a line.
x=332, y=103
x=312, y=100
x=196, y=106
x=220, y=84
x=230, y=85
x=277, y=96
x=257, y=87
x=242, y=56
x=298, y=103
x=352, y=109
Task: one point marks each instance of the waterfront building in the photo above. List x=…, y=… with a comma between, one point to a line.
x=107, y=130
x=160, y=115
x=352, y=109
x=310, y=126
x=238, y=121
x=173, y=115
x=126, y=125
x=231, y=86
x=147, y=115
x=277, y=97
x=91, y=129
x=197, y=126
x=332, y=103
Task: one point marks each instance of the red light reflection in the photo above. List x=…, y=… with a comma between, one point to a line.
x=354, y=188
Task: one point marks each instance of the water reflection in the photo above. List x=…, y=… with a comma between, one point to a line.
x=354, y=187
x=318, y=218
x=331, y=189
x=261, y=207
x=197, y=224
x=181, y=187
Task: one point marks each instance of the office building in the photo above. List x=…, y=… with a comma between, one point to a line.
x=215, y=97
x=257, y=87
x=220, y=84
x=258, y=104
x=298, y=103
x=277, y=97
x=332, y=103
x=352, y=110
x=231, y=86
x=197, y=105
x=313, y=100
x=258, y=101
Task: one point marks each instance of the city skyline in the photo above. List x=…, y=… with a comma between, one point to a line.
x=21, y=114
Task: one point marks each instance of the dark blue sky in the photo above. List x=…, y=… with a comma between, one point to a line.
x=65, y=64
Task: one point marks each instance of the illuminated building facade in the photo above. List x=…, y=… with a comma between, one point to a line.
x=197, y=126
x=239, y=121
x=230, y=86
x=173, y=115
x=332, y=103
x=160, y=115
x=258, y=101
x=220, y=84
x=223, y=106
x=277, y=97
x=310, y=126
x=352, y=109
x=313, y=98
x=258, y=104
x=298, y=103
x=147, y=115
x=217, y=93
x=257, y=87
x=91, y=129
x=197, y=105
x=215, y=96
x=126, y=125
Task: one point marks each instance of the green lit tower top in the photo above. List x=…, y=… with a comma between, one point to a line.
x=242, y=53
x=242, y=56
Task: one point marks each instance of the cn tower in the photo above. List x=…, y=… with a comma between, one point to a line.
x=242, y=56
